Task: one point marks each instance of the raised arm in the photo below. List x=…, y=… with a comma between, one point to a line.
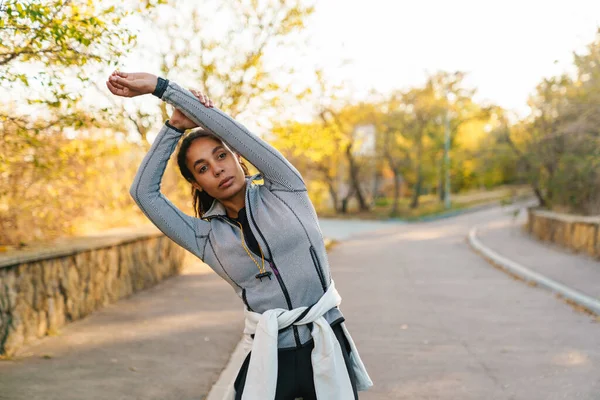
x=274, y=167
x=270, y=162
x=187, y=231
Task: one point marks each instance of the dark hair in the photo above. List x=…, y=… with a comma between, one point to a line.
x=201, y=200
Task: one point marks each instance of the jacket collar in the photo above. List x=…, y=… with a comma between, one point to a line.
x=218, y=209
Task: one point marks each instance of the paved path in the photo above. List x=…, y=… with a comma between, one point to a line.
x=340, y=229
x=507, y=237
x=431, y=318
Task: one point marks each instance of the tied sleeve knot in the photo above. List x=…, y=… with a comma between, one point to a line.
x=331, y=377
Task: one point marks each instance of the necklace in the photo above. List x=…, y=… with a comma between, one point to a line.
x=262, y=272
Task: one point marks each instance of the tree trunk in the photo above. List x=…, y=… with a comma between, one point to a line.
x=345, y=200
x=332, y=193
x=376, y=184
x=330, y=186
x=398, y=179
x=441, y=181
x=417, y=191
x=334, y=198
x=528, y=168
x=540, y=197
x=395, y=167
x=414, y=203
x=354, y=179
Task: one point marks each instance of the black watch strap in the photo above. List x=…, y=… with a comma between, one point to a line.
x=174, y=128
x=161, y=86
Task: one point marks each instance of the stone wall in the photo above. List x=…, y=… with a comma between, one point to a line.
x=578, y=233
x=43, y=288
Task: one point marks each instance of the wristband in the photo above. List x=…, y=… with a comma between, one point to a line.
x=161, y=86
x=173, y=127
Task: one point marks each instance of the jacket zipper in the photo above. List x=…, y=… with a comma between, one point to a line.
x=271, y=263
x=276, y=271
x=315, y=259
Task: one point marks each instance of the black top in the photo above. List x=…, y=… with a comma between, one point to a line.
x=248, y=235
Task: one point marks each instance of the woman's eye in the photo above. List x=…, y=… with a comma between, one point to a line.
x=204, y=168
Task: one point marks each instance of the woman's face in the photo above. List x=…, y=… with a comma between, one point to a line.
x=216, y=168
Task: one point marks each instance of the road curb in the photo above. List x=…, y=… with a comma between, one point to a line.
x=589, y=303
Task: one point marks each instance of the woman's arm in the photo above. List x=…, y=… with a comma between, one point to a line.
x=275, y=168
x=269, y=161
x=187, y=231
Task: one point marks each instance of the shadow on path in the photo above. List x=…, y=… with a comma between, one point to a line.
x=169, y=342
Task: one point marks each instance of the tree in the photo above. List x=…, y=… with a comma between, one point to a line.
x=413, y=131
x=314, y=148
x=47, y=50
x=328, y=145
x=40, y=41
x=228, y=66
x=559, y=143
x=422, y=106
x=391, y=127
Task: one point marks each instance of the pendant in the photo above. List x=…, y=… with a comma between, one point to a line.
x=266, y=274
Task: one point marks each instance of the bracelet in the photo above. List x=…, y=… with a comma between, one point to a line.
x=161, y=86
x=167, y=122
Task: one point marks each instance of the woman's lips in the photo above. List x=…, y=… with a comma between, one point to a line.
x=227, y=183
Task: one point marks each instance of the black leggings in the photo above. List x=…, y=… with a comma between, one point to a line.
x=295, y=372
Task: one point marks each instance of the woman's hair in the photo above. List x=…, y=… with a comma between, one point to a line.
x=201, y=200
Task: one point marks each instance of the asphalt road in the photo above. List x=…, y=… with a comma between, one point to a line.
x=433, y=320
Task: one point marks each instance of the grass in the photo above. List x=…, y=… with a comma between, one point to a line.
x=430, y=205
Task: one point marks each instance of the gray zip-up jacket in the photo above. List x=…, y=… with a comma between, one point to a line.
x=280, y=214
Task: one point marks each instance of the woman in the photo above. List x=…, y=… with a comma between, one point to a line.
x=261, y=234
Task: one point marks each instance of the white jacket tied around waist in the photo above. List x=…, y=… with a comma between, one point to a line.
x=331, y=378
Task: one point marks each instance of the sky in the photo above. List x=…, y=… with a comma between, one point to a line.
x=506, y=47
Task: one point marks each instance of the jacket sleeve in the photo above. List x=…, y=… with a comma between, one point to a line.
x=275, y=169
x=187, y=231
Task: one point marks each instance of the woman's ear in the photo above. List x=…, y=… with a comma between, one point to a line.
x=194, y=184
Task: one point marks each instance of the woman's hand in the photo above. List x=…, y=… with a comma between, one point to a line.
x=131, y=84
x=180, y=121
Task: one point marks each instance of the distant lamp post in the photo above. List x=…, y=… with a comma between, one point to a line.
x=450, y=97
x=447, y=161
